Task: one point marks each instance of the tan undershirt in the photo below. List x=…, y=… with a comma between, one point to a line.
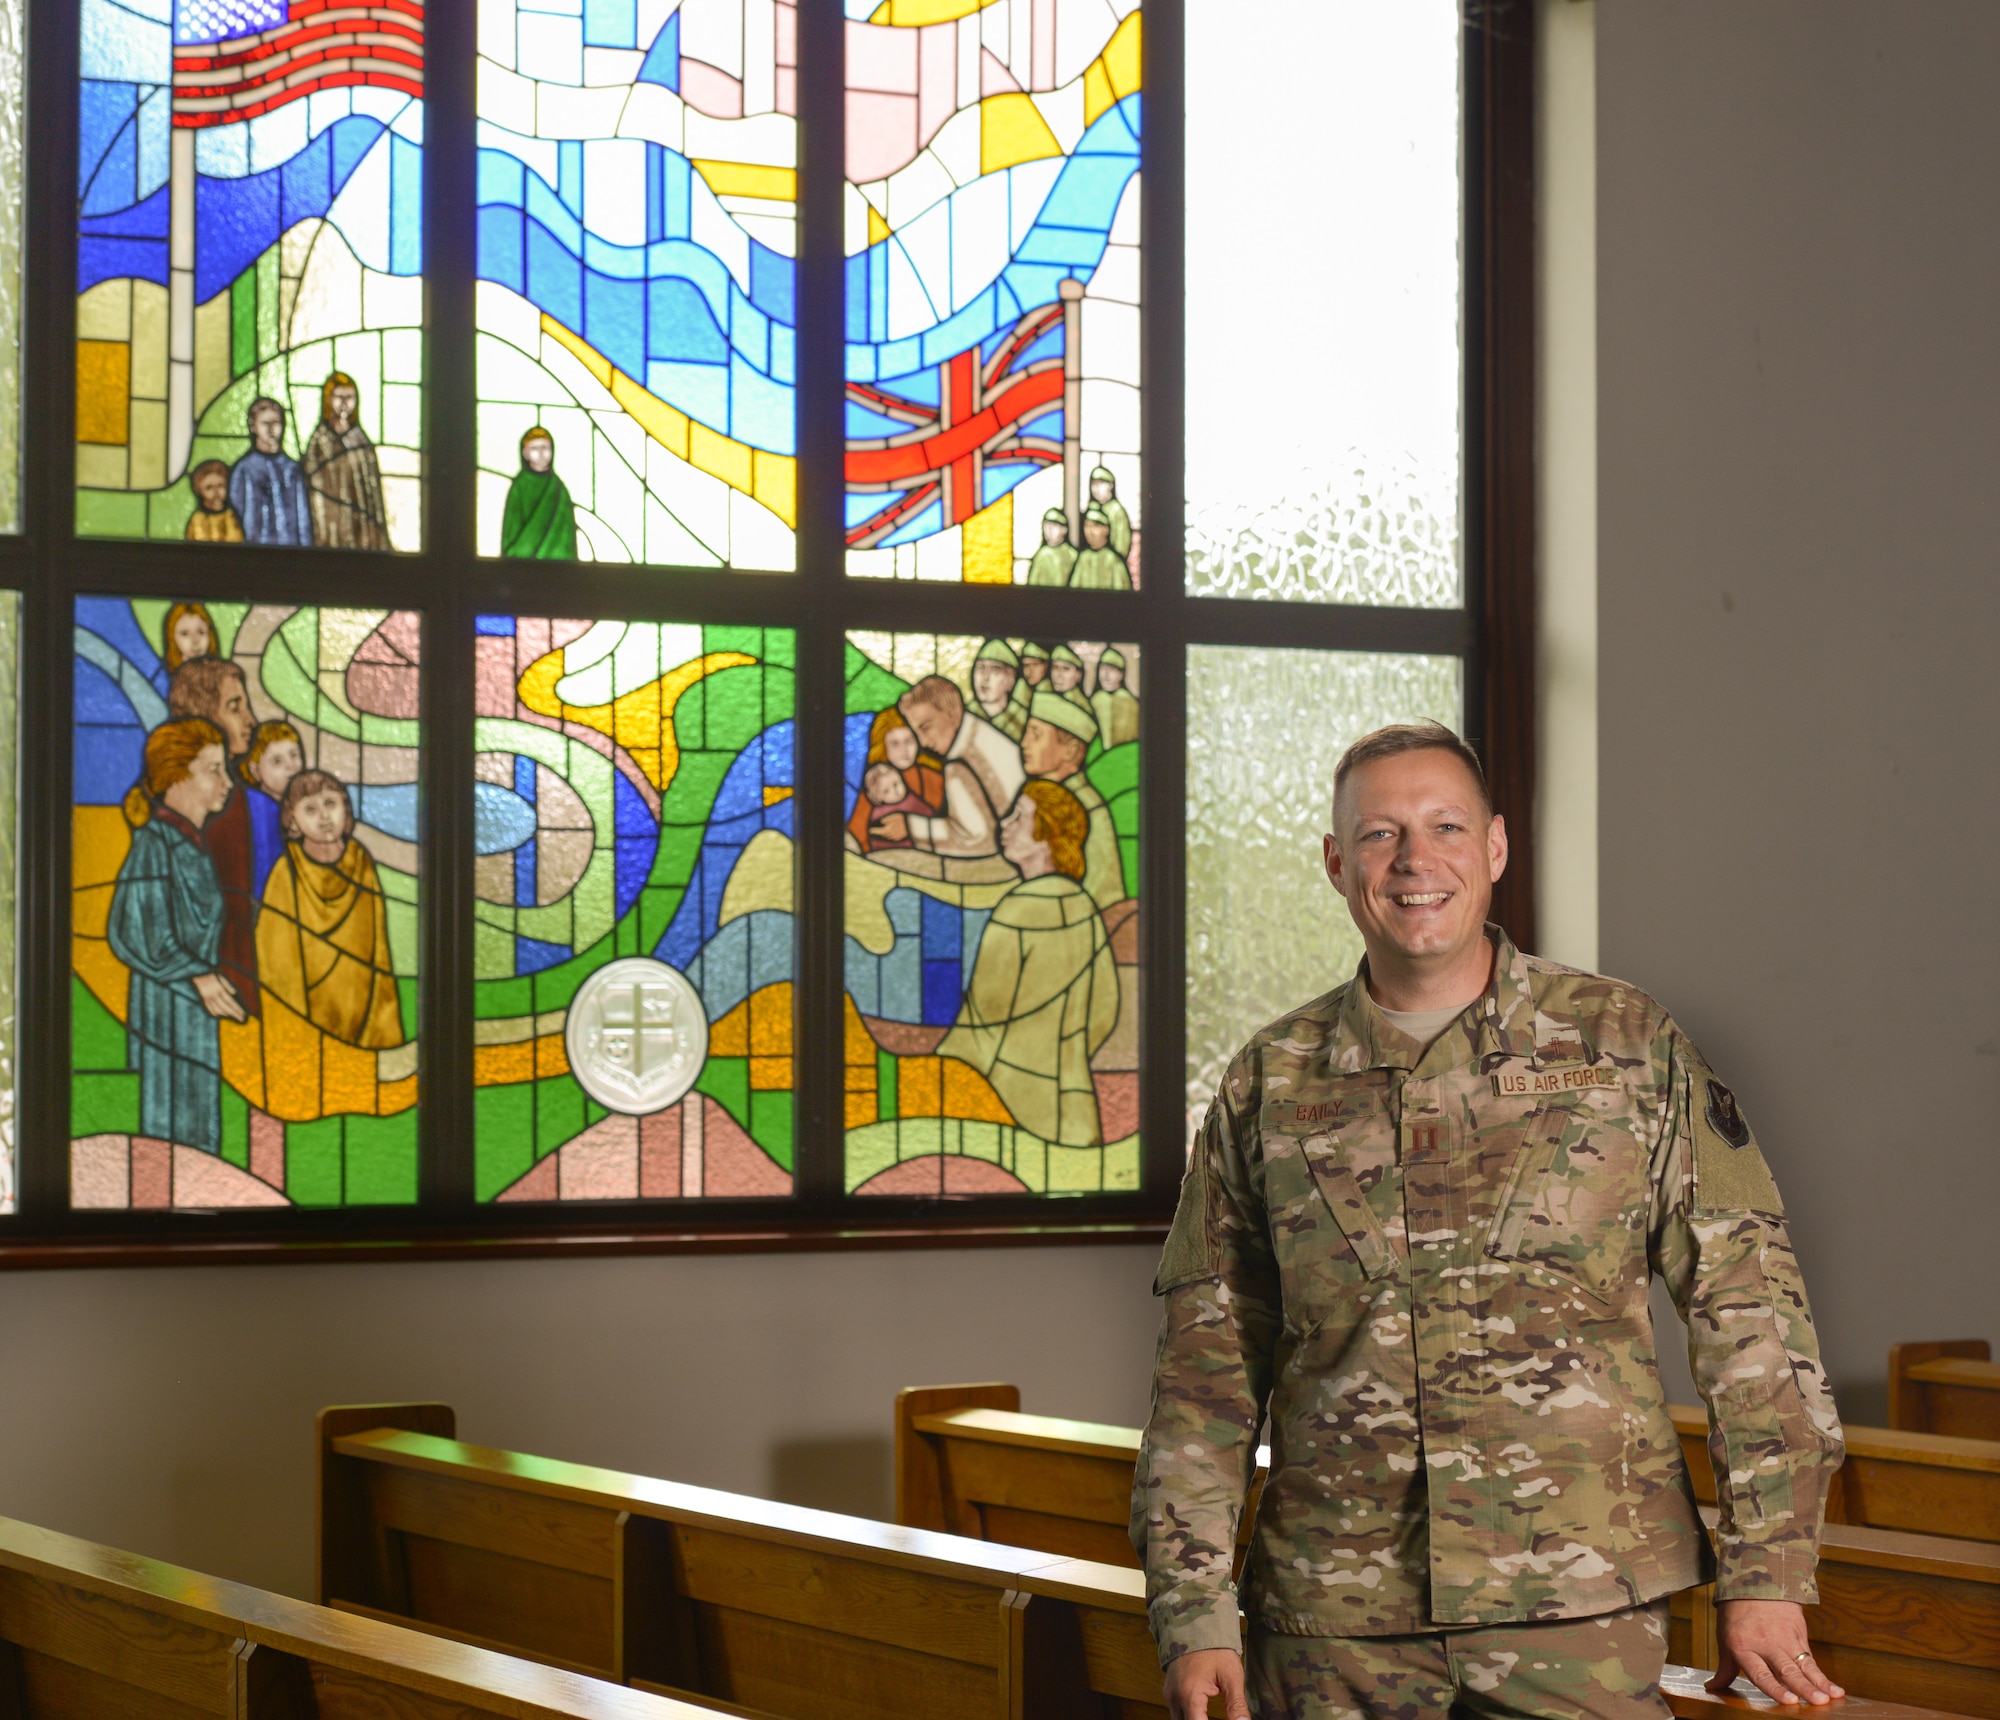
x=1422, y=1025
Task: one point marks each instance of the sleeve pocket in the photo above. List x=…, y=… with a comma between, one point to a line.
x=1747, y=1445
x=1189, y=1255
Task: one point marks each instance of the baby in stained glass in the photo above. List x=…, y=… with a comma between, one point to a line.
x=888, y=791
x=323, y=935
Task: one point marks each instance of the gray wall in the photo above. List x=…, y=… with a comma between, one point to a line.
x=1799, y=561
x=170, y=1411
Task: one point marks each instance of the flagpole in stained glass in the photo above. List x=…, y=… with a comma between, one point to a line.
x=634, y=822
x=991, y=957
x=244, y=908
x=992, y=238
x=637, y=229
x=249, y=272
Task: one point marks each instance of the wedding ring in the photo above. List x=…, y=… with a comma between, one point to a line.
x=1806, y=1656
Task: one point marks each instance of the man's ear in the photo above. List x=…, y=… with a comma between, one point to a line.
x=1496, y=847
x=1335, y=871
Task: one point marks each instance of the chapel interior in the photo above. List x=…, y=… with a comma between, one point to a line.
x=630, y=1053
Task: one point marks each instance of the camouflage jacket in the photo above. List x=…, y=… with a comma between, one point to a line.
x=1431, y=1268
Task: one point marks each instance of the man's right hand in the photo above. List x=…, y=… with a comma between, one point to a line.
x=1194, y=1678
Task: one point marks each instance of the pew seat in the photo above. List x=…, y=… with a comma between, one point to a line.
x=1946, y=1388
x=89, y=1631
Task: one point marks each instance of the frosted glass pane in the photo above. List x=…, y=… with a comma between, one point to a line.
x=12, y=112
x=10, y=733
x=1323, y=379
x=1265, y=727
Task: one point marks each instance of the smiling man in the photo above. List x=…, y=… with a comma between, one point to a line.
x=1417, y=1233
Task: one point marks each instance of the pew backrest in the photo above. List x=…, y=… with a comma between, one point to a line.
x=1951, y=1387
x=88, y=1630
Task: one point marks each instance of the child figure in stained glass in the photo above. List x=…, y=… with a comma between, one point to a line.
x=892, y=741
x=189, y=633
x=275, y=757
x=1054, y=748
x=1056, y=556
x=346, y=479
x=166, y=927
x=213, y=519
x=266, y=487
x=1044, y=989
x=323, y=937
x=1099, y=567
x=997, y=685
x=1116, y=706
x=888, y=792
x=1104, y=497
x=540, y=520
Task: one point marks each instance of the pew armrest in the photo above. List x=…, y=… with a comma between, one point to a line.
x=921, y=1496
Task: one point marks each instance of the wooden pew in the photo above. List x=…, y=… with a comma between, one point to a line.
x=1947, y=1388
x=86, y=1630
x=849, y=1611
x=1910, y=1617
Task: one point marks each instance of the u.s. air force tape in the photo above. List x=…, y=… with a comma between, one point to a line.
x=1528, y=1083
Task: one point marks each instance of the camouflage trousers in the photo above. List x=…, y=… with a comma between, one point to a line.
x=1605, y=1668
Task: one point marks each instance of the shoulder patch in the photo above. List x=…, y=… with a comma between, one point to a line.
x=1189, y=1255
x=1729, y=1172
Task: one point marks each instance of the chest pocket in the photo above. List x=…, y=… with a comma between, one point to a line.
x=1573, y=1202
x=1329, y=1245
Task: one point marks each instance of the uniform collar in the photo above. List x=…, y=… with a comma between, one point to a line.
x=1499, y=1025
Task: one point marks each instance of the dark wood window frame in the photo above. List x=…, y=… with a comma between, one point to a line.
x=1493, y=633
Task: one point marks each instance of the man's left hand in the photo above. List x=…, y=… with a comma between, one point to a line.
x=1766, y=1642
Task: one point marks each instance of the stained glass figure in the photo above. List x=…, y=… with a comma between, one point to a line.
x=634, y=801
x=992, y=236
x=637, y=228
x=250, y=272
x=244, y=909
x=1265, y=727
x=1323, y=384
x=992, y=931
x=10, y=737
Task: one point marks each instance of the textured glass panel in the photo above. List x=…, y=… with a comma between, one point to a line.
x=13, y=119
x=249, y=359
x=243, y=996
x=1265, y=931
x=10, y=735
x=992, y=222
x=1323, y=300
x=634, y=784
x=637, y=225
x=992, y=948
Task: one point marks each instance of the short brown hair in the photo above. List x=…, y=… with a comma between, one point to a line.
x=311, y=782
x=1408, y=738
x=196, y=689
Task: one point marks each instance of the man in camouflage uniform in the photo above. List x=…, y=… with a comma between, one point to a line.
x=1417, y=1230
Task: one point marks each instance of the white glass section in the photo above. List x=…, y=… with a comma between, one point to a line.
x=1265, y=727
x=1323, y=301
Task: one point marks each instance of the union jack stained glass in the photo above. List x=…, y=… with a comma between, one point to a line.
x=637, y=228
x=634, y=807
x=250, y=297
x=992, y=237
x=992, y=916
x=244, y=905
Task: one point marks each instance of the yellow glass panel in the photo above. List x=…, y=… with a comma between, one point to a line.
x=103, y=391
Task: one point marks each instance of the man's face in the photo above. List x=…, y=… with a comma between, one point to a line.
x=1416, y=855
x=232, y=715
x=322, y=818
x=1036, y=669
x=1017, y=834
x=341, y=407
x=1049, y=751
x=212, y=491
x=992, y=682
x=1101, y=490
x=1096, y=533
x=1110, y=677
x=1064, y=677
x=539, y=454
x=1054, y=532
x=267, y=430
x=933, y=727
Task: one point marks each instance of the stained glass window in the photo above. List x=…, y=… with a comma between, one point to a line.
x=992, y=237
x=1265, y=727
x=635, y=941
x=992, y=915
x=250, y=299
x=1323, y=386
x=637, y=198
x=244, y=906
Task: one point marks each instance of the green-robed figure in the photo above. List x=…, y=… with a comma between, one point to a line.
x=540, y=521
